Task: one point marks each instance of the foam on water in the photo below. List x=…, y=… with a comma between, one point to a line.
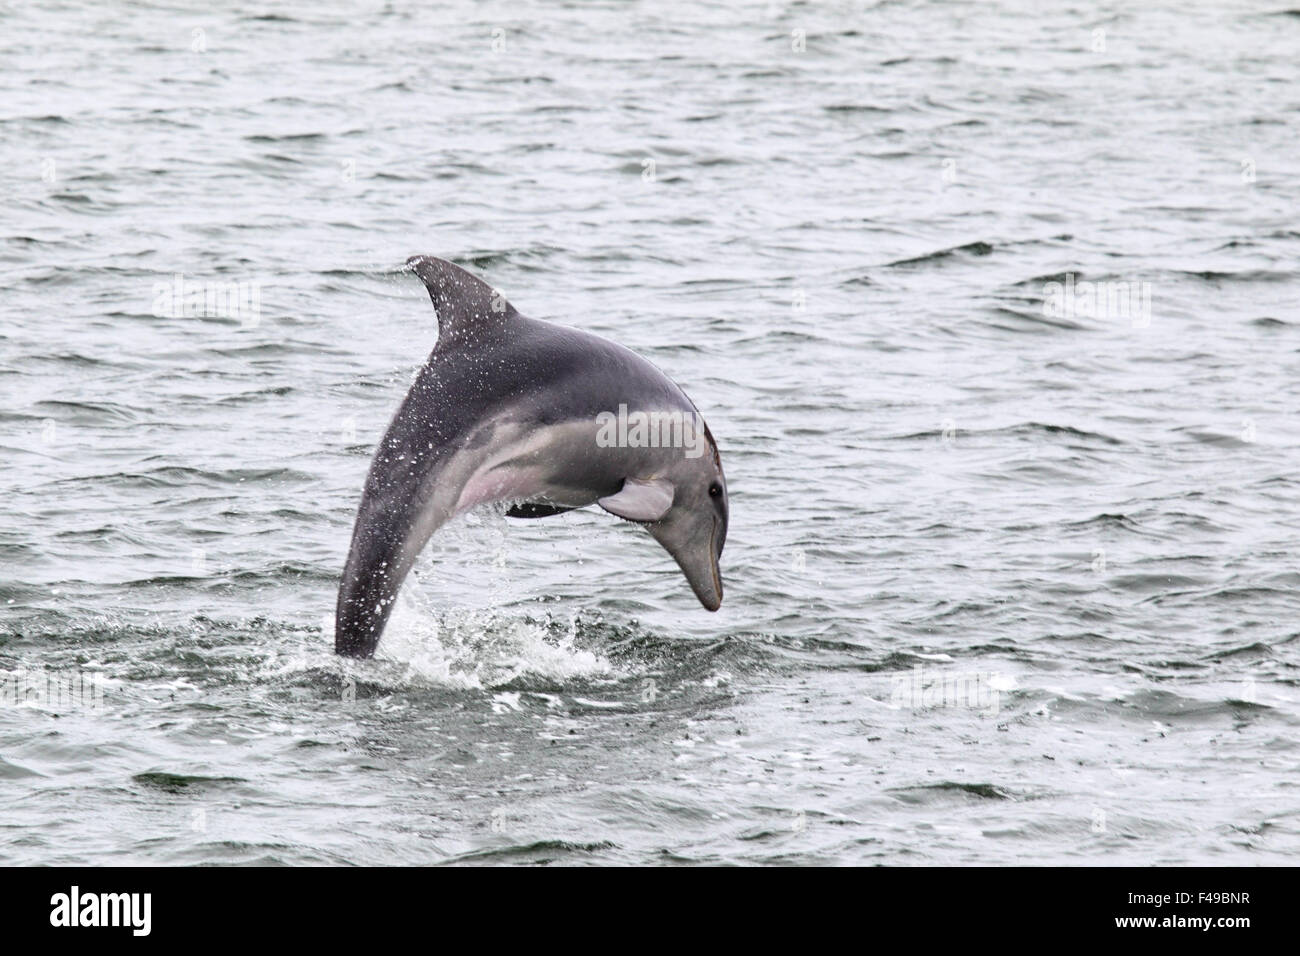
x=470, y=648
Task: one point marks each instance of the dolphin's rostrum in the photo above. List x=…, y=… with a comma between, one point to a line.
x=518, y=410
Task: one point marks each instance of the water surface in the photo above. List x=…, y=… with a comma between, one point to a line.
x=1003, y=586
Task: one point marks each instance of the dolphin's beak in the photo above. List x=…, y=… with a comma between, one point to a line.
x=711, y=598
x=698, y=559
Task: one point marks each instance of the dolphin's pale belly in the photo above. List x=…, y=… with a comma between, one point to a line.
x=549, y=465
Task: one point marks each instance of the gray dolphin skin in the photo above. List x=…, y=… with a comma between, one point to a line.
x=544, y=417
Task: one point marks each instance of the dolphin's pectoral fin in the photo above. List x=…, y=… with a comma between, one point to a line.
x=534, y=509
x=641, y=499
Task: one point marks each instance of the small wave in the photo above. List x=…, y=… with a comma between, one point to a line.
x=1106, y=520
x=970, y=249
x=1154, y=583
x=1037, y=282
x=12, y=771
x=541, y=852
x=1034, y=321
x=856, y=108
x=183, y=783
x=1214, y=438
x=1244, y=276
x=1176, y=707
x=86, y=412
x=1256, y=651
x=1023, y=428
x=285, y=138
x=944, y=792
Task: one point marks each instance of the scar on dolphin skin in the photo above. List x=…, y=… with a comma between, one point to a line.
x=513, y=409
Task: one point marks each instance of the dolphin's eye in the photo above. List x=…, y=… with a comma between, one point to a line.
x=715, y=489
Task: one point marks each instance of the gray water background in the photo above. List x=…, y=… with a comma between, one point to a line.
x=1081, y=528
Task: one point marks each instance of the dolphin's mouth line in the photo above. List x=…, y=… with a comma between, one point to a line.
x=713, y=559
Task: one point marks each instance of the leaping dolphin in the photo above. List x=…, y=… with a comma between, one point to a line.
x=548, y=418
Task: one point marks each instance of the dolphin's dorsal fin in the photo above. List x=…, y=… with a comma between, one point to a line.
x=466, y=305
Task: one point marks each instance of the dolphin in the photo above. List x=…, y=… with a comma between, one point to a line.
x=544, y=417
